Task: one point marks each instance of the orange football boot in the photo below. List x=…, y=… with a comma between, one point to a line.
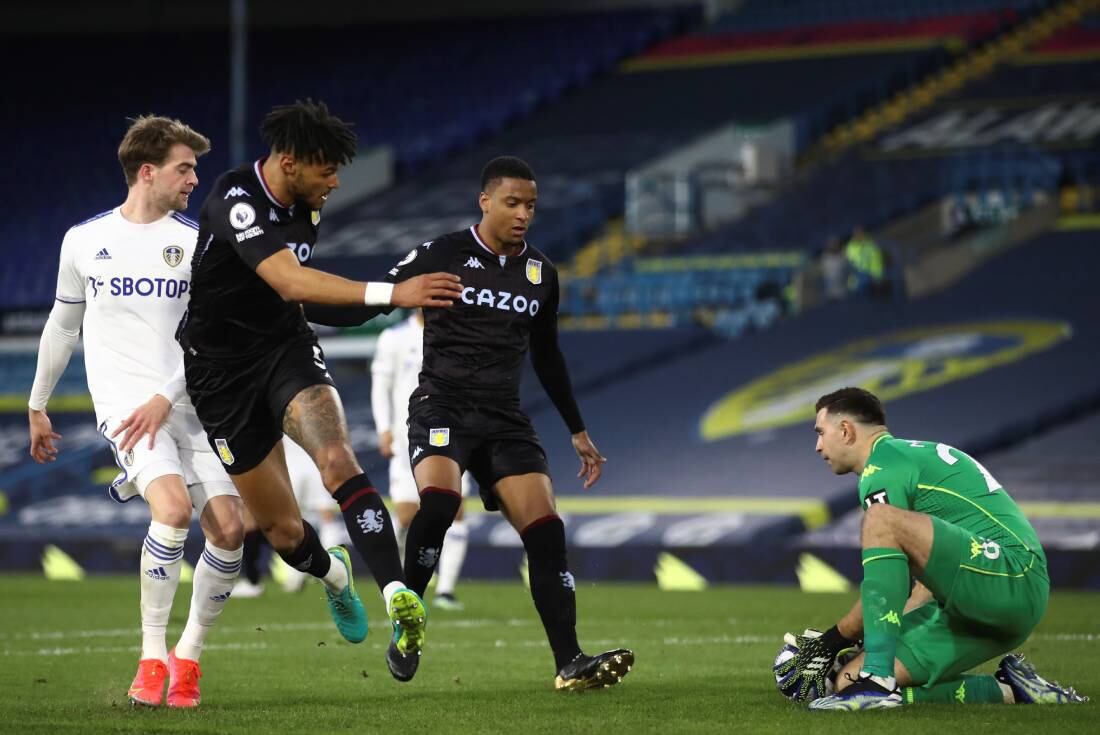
x=147, y=689
x=183, y=687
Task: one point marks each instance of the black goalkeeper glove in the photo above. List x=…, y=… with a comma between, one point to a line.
x=814, y=662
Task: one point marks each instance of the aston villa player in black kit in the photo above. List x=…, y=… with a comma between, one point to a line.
x=254, y=369
x=465, y=414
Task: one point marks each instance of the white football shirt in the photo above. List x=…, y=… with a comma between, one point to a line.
x=395, y=373
x=134, y=280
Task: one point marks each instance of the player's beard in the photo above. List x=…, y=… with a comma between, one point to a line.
x=173, y=202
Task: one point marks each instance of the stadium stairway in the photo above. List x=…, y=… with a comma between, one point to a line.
x=978, y=63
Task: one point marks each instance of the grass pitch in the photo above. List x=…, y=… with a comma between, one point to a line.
x=276, y=664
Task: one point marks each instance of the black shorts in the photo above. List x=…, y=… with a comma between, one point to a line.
x=491, y=442
x=241, y=404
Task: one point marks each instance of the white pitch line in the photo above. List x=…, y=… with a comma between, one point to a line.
x=52, y=635
x=127, y=649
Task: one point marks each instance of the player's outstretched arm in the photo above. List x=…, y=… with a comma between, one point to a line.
x=59, y=336
x=292, y=282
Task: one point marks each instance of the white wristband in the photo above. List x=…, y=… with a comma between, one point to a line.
x=378, y=293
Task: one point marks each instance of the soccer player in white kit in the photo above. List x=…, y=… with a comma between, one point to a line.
x=124, y=275
x=395, y=373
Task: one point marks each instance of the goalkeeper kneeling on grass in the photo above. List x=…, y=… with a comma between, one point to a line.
x=933, y=512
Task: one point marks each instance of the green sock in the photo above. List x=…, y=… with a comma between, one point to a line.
x=967, y=689
x=884, y=590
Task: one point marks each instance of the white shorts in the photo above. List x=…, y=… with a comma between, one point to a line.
x=306, y=480
x=403, y=485
x=180, y=449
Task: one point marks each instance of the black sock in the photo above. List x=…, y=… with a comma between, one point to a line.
x=310, y=557
x=552, y=586
x=438, y=506
x=250, y=561
x=370, y=529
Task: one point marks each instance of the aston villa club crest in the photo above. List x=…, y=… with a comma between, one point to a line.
x=173, y=255
x=439, y=437
x=224, y=452
x=534, y=271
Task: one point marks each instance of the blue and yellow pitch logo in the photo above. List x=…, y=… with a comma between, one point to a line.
x=891, y=366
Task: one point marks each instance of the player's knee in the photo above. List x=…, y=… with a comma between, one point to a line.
x=337, y=465
x=228, y=533
x=284, y=535
x=438, y=506
x=171, y=512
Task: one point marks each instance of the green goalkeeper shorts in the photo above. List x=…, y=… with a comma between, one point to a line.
x=988, y=599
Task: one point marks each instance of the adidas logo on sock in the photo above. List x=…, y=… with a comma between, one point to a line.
x=222, y=597
x=103, y=255
x=158, y=574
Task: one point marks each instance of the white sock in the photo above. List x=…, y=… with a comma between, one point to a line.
x=161, y=558
x=886, y=682
x=337, y=577
x=402, y=534
x=332, y=532
x=390, y=590
x=1006, y=691
x=215, y=575
x=452, y=557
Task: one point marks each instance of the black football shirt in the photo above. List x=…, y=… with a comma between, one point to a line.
x=475, y=349
x=234, y=314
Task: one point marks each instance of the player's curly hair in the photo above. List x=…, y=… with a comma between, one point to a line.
x=150, y=138
x=505, y=167
x=307, y=130
x=862, y=405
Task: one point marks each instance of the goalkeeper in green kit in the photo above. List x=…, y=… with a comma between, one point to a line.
x=935, y=514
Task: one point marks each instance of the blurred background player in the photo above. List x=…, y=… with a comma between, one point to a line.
x=395, y=373
x=934, y=513
x=124, y=276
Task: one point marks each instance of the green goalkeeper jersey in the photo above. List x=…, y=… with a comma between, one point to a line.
x=941, y=481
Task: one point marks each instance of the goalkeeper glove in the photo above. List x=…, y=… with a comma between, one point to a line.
x=814, y=661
